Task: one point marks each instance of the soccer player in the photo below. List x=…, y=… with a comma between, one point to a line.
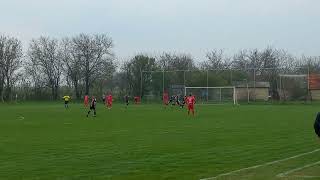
x=86, y=100
x=109, y=101
x=173, y=100
x=182, y=101
x=177, y=100
x=104, y=99
x=317, y=125
x=93, y=106
x=191, y=100
x=165, y=98
x=66, y=101
x=126, y=99
x=136, y=98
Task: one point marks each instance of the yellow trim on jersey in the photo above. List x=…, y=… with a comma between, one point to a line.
x=66, y=98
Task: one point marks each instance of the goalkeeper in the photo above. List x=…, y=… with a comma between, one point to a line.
x=66, y=101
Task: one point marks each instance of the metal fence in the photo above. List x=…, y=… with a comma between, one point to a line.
x=252, y=84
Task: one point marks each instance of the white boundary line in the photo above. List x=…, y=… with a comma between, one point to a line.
x=261, y=165
x=284, y=174
x=306, y=177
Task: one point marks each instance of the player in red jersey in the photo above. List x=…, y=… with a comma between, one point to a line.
x=165, y=98
x=86, y=100
x=137, y=99
x=191, y=100
x=109, y=100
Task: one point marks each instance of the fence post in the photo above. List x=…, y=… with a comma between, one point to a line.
x=248, y=93
x=254, y=83
x=141, y=79
x=280, y=89
x=231, y=76
x=220, y=95
x=162, y=81
x=309, y=92
x=207, y=85
x=184, y=78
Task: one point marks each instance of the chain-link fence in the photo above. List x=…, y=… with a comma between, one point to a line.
x=252, y=85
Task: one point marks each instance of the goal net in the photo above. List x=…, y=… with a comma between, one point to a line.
x=213, y=95
x=293, y=87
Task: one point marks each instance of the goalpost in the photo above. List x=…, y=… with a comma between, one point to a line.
x=213, y=95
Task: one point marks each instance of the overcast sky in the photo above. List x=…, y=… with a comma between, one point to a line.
x=186, y=26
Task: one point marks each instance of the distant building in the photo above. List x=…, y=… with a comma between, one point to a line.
x=255, y=91
x=315, y=94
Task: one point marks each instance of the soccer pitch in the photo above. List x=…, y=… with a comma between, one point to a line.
x=46, y=141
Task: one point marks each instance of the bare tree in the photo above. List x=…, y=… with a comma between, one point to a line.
x=169, y=61
x=36, y=77
x=45, y=57
x=94, y=51
x=105, y=76
x=2, y=51
x=254, y=57
x=240, y=60
x=71, y=58
x=132, y=73
x=10, y=60
x=215, y=60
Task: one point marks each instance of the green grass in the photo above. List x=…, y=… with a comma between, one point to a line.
x=45, y=141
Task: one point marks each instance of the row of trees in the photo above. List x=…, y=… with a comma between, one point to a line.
x=250, y=65
x=49, y=64
x=84, y=64
x=10, y=61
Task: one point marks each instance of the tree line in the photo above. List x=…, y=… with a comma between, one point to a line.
x=85, y=64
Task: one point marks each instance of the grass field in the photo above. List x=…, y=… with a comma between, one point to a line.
x=46, y=141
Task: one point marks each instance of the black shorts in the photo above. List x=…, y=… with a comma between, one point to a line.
x=66, y=102
x=92, y=108
x=317, y=125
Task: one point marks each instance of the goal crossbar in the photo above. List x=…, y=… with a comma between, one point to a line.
x=215, y=87
x=293, y=75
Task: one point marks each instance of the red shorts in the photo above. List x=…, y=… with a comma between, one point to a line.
x=190, y=106
x=109, y=103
